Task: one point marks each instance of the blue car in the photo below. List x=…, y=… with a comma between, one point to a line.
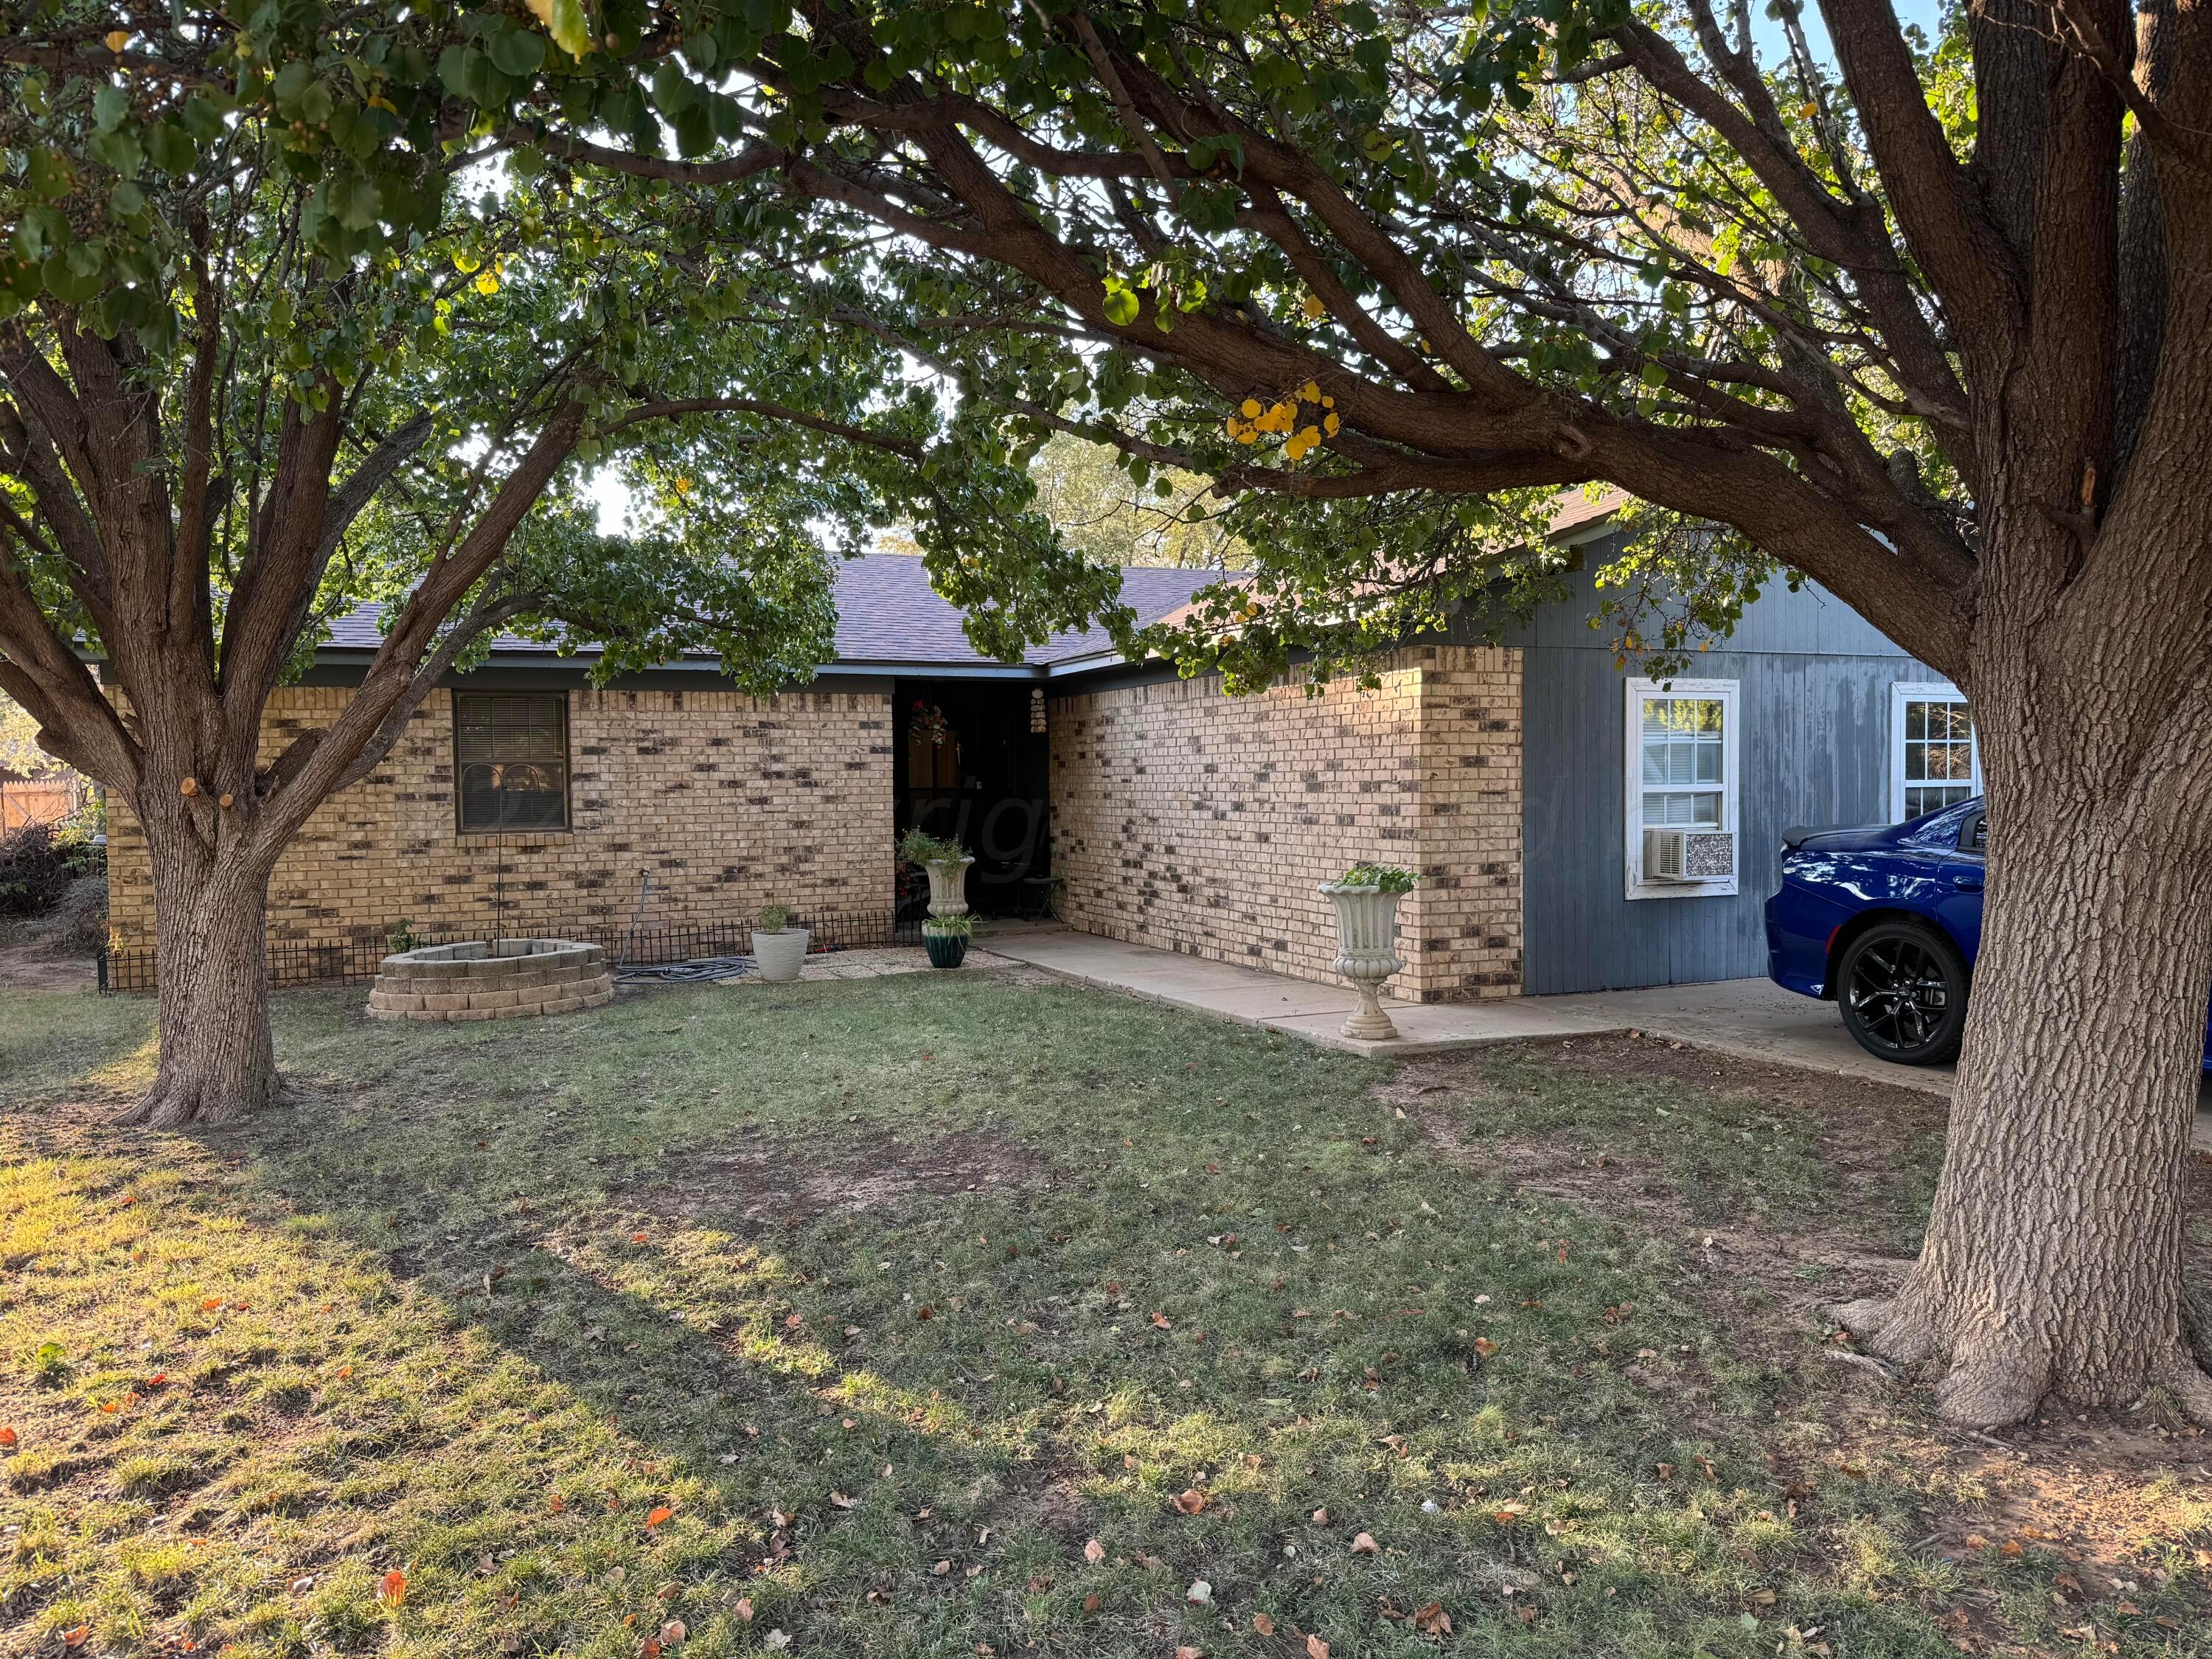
x=1886, y=923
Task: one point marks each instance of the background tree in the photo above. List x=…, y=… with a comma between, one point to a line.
x=281, y=332
x=1100, y=512
x=1926, y=320
x=19, y=742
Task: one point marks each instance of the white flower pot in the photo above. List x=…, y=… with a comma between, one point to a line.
x=948, y=887
x=779, y=955
x=1366, y=933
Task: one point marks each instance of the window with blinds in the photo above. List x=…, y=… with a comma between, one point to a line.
x=510, y=761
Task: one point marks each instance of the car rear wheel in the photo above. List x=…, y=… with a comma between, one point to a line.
x=1903, y=993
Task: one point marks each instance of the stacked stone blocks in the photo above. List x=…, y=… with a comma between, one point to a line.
x=505, y=979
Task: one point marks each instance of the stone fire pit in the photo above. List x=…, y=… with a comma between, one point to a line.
x=501, y=978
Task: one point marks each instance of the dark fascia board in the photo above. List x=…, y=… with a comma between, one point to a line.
x=335, y=666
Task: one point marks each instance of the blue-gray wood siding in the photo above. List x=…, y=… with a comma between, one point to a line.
x=1813, y=707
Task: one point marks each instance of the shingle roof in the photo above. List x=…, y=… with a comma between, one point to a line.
x=887, y=612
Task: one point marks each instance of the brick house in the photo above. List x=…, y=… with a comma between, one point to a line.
x=1521, y=779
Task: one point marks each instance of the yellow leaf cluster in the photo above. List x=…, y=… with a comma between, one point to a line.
x=1285, y=417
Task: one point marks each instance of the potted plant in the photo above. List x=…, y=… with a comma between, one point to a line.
x=945, y=939
x=779, y=949
x=947, y=862
x=1366, y=899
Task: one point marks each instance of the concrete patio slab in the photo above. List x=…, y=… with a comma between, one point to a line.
x=1752, y=1018
x=1306, y=1009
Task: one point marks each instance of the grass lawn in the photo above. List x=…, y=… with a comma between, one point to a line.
x=962, y=1314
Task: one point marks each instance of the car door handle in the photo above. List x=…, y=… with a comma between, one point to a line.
x=1967, y=883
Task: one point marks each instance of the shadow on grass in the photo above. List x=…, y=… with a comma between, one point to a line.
x=1220, y=1310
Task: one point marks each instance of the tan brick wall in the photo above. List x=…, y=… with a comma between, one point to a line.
x=730, y=801
x=1201, y=822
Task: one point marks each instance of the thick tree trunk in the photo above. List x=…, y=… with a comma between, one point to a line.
x=217, y=1057
x=2052, y=1262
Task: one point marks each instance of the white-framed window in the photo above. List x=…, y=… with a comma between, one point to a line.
x=1682, y=774
x=1935, y=759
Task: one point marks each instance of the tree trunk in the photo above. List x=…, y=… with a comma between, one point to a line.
x=2052, y=1262
x=217, y=1057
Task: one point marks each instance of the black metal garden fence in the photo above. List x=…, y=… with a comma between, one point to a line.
x=294, y=962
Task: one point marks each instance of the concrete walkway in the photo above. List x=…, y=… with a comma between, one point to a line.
x=1299, y=1007
x=1753, y=1019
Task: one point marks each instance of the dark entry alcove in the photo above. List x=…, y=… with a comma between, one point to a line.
x=968, y=765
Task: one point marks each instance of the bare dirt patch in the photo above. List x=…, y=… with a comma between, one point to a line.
x=752, y=1188
x=41, y=968
x=2104, y=1494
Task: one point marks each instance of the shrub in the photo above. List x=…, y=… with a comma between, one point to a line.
x=34, y=870
x=774, y=918
x=916, y=847
x=1386, y=878
x=949, y=927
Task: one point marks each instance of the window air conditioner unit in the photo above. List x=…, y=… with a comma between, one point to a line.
x=1689, y=854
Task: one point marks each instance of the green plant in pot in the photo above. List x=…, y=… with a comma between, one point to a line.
x=947, y=862
x=945, y=939
x=779, y=948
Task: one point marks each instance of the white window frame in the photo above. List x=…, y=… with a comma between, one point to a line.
x=1724, y=692
x=1902, y=692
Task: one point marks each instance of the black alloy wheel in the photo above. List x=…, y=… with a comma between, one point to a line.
x=1903, y=991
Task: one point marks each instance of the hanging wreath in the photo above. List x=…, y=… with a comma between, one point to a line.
x=929, y=721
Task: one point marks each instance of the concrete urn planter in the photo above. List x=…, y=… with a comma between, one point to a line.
x=778, y=956
x=948, y=886
x=1366, y=931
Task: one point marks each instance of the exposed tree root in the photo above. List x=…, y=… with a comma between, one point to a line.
x=2191, y=1386
x=2002, y=1377
x=188, y=1105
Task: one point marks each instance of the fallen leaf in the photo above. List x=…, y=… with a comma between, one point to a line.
x=1094, y=1552
x=660, y=1513
x=1526, y=1615
x=557, y=1503
x=1976, y=1542
x=743, y=1608
x=1432, y=1620
x=1191, y=1502
x=1264, y=1624
x=1199, y=1592
x=775, y=1638
x=1365, y=1544
x=8, y=1436
x=1485, y=1346
x=391, y=1590
x=1320, y=1517
x=74, y=1637
x=1189, y=1653
x=639, y=1238
x=840, y=1501
x=2011, y=1546
x=1090, y=1604
x=1315, y=1648
x=1161, y=1319
x=942, y=1570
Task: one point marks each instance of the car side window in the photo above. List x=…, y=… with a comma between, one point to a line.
x=1974, y=834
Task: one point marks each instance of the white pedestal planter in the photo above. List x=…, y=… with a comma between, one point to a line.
x=778, y=956
x=948, y=887
x=1366, y=930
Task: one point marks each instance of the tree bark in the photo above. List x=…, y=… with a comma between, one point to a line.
x=210, y=906
x=2053, y=1257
